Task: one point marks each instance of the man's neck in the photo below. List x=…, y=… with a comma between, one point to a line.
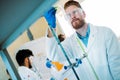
x=82, y=31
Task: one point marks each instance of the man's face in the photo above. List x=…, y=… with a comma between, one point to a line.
x=76, y=16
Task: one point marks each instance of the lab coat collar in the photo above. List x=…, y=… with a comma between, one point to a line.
x=91, y=39
x=92, y=36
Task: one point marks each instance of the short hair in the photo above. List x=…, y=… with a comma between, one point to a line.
x=22, y=54
x=72, y=2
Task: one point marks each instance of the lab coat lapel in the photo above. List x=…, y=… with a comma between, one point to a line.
x=91, y=39
x=78, y=45
x=92, y=36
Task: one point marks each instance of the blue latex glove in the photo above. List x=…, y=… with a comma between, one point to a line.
x=50, y=17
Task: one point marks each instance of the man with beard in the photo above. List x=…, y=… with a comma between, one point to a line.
x=24, y=61
x=97, y=44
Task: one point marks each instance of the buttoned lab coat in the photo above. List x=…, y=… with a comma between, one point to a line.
x=103, y=52
x=27, y=74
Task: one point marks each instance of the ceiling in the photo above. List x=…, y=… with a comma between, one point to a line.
x=17, y=15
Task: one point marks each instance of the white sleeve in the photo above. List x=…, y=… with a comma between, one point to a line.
x=51, y=47
x=54, y=51
x=113, y=52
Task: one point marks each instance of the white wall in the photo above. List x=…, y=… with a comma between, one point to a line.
x=103, y=12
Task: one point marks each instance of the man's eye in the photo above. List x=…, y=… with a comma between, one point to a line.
x=74, y=12
x=69, y=15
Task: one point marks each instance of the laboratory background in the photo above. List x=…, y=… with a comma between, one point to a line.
x=23, y=26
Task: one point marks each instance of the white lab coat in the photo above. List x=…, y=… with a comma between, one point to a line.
x=103, y=52
x=27, y=74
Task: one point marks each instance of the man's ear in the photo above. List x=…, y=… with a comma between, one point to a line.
x=26, y=61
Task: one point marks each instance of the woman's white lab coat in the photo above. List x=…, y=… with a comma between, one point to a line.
x=103, y=52
x=27, y=74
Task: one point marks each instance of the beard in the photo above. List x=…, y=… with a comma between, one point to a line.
x=30, y=66
x=77, y=23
